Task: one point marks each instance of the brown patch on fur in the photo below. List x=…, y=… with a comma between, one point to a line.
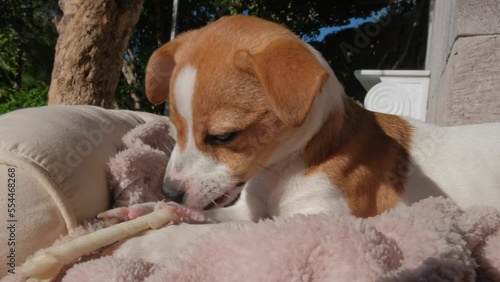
x=290, y=75
x=160, y=67
x=158, y=73
x=368, y=151
x=159, y=76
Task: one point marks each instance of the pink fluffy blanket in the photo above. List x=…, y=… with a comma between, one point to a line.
x=433, y=240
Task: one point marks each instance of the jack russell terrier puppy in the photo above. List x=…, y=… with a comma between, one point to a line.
x=258, y=111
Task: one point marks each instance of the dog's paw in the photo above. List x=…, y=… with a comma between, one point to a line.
x=186, y=214
x=127, y=213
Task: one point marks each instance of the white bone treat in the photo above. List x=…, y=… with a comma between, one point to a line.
x=46, y=263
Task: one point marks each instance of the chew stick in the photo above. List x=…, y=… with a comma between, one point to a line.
x=46, y=263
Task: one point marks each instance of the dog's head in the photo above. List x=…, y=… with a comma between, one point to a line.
x=241, y=93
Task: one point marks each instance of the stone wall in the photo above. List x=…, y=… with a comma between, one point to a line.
x=464, y=60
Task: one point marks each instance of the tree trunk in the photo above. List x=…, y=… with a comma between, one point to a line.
x=93, y=38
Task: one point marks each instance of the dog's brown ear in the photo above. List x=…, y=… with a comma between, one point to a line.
x=159, y=71
x=290, y=75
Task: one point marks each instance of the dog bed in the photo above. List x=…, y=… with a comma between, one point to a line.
x=433, y=240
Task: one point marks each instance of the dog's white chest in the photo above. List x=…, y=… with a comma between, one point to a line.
x=286, y=190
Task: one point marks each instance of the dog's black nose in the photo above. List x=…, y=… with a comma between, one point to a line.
x=172, y=190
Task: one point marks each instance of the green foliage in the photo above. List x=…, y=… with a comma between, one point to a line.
x=27, y=42
x=133, y=97
x=12, y=99
x=7, y=51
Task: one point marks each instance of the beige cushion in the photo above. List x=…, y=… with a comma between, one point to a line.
x=60, y=156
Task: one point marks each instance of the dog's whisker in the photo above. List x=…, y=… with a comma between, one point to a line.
x=222, y=194
x=166, y=146
x=213, y=202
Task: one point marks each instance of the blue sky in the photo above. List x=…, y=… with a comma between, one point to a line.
x=353, y=23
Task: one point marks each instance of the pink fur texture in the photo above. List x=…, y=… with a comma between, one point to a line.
x=433, y=240
x=136, y=172
x=430, y=241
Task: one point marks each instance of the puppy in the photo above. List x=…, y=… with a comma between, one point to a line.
x=257, y=111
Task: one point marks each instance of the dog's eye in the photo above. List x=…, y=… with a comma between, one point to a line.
x=221, y=139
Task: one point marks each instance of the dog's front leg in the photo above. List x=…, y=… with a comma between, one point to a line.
x=247, y=208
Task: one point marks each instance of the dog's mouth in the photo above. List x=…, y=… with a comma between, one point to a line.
x=228, y=198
